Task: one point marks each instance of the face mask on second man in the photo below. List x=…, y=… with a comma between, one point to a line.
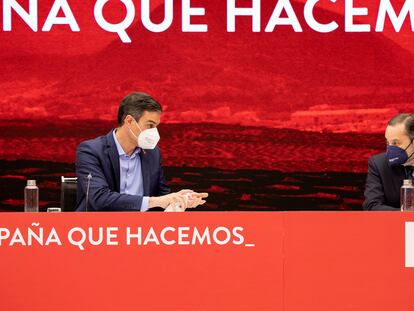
x=148, y=138
x=397, y=156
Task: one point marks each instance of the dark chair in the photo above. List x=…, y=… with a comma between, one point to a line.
x=68, y=193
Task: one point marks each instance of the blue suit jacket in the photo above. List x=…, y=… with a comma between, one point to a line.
x=99, y=157
x=382, y=190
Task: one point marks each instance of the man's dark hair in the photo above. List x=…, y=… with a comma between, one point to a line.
x=135, y=104
x=407, y=119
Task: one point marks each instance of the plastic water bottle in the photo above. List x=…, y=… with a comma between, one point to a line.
x=407, y=196
x=31, y=197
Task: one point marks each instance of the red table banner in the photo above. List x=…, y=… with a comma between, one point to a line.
x=207, y=261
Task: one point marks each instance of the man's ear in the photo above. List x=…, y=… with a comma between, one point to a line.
x=128, y=119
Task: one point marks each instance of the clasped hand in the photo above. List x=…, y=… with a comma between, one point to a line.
x=179, y=201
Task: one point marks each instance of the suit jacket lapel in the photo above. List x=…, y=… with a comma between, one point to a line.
x=114, y=158
x=146, y=172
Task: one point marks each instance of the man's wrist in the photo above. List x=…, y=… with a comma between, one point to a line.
x=154, y=202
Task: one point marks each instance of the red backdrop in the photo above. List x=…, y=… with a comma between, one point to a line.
x=268, y=104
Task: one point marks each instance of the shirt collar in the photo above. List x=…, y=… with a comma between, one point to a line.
x=121, y=151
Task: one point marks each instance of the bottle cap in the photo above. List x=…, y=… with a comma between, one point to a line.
x=31, y=182
x=408, y=182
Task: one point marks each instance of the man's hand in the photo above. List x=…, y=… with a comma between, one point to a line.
x=178, y=201
x=165, y=200
x=194, y=199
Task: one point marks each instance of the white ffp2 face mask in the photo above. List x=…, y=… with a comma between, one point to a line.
x=147, y=139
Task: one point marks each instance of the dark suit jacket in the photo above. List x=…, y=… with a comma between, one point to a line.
x=100, y=158
x=382, y=191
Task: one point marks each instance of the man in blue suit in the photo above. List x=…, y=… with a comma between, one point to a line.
x=387, y=170
x=122, y=170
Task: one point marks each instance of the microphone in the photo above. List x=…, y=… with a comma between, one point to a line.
x=89, y=177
